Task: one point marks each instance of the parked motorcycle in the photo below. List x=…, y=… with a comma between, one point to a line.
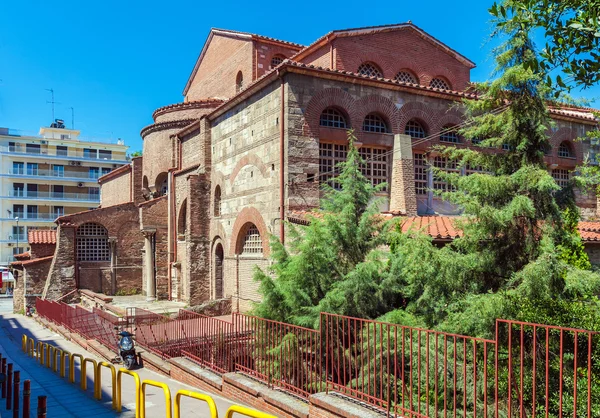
x=29, y=311
x=126, y=349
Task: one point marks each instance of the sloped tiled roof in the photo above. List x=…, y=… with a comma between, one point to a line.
x=438, y=227
x=41, y=236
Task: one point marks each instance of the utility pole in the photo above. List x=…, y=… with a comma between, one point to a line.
x=72, y=117
x=52, y=101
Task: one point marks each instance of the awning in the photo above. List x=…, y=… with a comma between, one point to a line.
x=6, y=277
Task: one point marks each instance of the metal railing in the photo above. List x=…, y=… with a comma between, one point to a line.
x=27, y=194
x=73, y=153
x=93, y=176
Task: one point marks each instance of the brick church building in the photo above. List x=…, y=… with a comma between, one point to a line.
x=263, y=122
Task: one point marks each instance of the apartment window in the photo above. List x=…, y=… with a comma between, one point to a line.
x=374, y=123
x=105, y=154
x=438, y=83
x=561, y=177
x=415, y=129
x=421, y=174
x=94, y=172
x=449, y=134
x=33, y=149
x=445, y=165
x=65, y=136
x=18, y=168
x=90, y=153
x=94, y=193
x=376, y=166
x=58, y=170
x=18, y=231
x=61, y=150
x=18, y=211
x=18, y=189
x=58, y=191
x=58, y=211
x=370, y=70
x=32, y=190
x=32, y=169
x=565, y=150
x=329, y=156
x=252, y=241
x=406, y=77
x=333, y=118
x=92, y=242
x=12, y=147
x=32, y=211
x=105, y=170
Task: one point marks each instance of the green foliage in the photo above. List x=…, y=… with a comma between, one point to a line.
x=136, y=154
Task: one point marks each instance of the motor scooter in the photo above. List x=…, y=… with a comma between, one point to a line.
x=127, y=354
x=29, y=311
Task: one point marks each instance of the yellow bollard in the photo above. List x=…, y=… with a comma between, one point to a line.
x=201, y=397
x=24, y=343
x=84, y=375
x=49, y=352
x=165, y=389
x=247, y=412
x=31, y=347
x=138, y=391
x=63, y=368
x=98, y=382
x=72, y=366
x=40, y=352
x=54, y=358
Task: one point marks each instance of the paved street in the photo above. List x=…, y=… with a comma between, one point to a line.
x=66, y=399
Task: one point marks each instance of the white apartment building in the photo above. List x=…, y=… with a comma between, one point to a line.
x=48, y=175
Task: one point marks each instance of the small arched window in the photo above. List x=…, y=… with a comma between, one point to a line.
x=369, y=69
x=449, y=134
x=239, y=82
x=439, y=83
x=276, y=60
x=162, y=184
x=92, y=242
x=374, y=123
x=333, y=118
x=406, y=77
x=415, y=129
x=252, y=244
x=217, y=203
x=565, y=150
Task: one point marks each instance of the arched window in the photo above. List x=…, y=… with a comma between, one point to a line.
x=217, y=203
x=239, y=82
x=333, y=118
x=276, y=60
x=375, y=123
x=162, y=184
x=252, y=244
x=449, y=134
x=92, y=242
x=369, y=69
x=565, y=150
x=406, y=77
x=182, y=221
x=439, y=83
x=415, y=129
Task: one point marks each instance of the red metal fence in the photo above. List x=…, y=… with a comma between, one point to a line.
x=527, y=370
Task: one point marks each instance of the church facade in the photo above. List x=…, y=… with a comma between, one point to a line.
x=263, y=124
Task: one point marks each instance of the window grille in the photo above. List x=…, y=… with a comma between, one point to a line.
x=276, y=60
x=217, y=207
x=329, y=156
x=421, y=174
x=332, y=118
x=92, y=243
x=376, y=166
x=471, y=169
x=564, y=150
x=374, y=123
x=449, y=134
x=561, y=177
x=448, y=166
x=438, y=83
x=414, y=129
x=506, y=147
x=369, y=70
x=252, y=241
x=406, y=77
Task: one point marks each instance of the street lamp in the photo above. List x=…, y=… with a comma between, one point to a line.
x=17, y=219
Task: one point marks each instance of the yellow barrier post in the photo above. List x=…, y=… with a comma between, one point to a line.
x=24, y=343
x=138, y=391
x=200, y=396
x=98, y=382
x=84, y=375
x=40, y=352
x=165, y=389
x=54, y=358
x=49, y=353
x=72, y=366
x=247, y=412
x=31, y=347
x=63, y=368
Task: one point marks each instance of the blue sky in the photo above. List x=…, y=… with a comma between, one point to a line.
x=115, y=62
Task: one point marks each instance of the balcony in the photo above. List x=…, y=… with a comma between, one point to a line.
x=33, y=217
x=71, y=154
x=52, y=175
x=28, y=195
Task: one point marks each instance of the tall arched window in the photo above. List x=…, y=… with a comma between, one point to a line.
x=162, y=184
x=239, y=82
x=217, y=202
x=252, y=244
x=369, y=69
x=375, y=123
x=276, y=60
x=449, y=134
x=565, y=150
x=439, y=83
x=182, y=221
x=92, y=242
x=415, y=129
x=333, y=118
x=405, y=76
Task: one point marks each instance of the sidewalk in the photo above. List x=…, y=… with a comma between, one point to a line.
x=67, y=399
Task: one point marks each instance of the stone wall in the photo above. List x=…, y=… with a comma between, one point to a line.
x=153, y=215
x=61, y=276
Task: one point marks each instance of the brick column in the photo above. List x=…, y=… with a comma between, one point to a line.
x=402, y=188
x=149, y=264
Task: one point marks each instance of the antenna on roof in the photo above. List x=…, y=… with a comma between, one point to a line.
x=52, y=101
x=72, y=117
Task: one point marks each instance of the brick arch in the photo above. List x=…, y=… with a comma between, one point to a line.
x=419, y=111
x=566, y=134
x=440, y=71
x=217, y=231
x=409, y=67
x=247, y=216
x=452, y=116
x=249, y=159
x=376, y=104
x=330, y=97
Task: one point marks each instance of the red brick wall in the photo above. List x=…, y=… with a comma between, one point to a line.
x=154, y=215
x=265, y=51
x=41, y=250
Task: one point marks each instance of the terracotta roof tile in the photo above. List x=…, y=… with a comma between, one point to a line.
x=23, y=256
x=34, y=261
x=438, y=227
x=42, y=236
